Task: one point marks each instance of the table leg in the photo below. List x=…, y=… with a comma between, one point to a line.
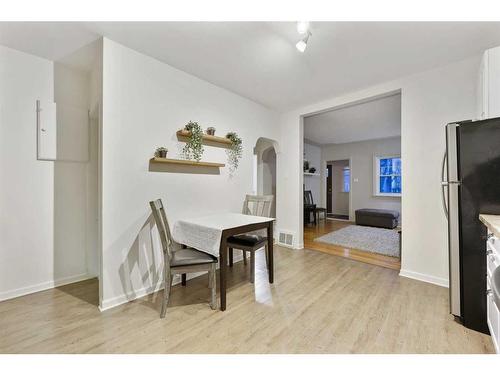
x=270, y=243
x=230, y=257
x=222, y=271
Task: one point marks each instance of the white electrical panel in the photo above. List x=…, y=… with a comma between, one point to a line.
x=46, y=121
x=62, y=132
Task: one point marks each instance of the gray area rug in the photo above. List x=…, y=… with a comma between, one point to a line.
x=375, y=240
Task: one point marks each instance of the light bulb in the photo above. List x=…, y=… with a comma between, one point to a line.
x=301, y=45
x=302, y=27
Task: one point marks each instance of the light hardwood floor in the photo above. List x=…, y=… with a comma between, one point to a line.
x=326, y=226
x=318, y=304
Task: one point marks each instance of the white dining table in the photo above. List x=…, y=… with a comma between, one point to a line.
x=210, y=233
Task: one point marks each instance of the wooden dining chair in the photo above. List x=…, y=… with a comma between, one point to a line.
x=256, y=205
x=310, y=206
x=181, y=261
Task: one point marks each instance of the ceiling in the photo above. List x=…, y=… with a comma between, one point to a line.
x=258, y=60
x=379, y=118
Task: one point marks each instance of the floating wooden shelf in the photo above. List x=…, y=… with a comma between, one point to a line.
x=209, y=140
x=186, y=162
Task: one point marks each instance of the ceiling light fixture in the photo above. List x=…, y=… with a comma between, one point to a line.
x=302, y=44
x=302, y=27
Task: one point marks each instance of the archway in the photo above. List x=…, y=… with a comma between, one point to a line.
x=265, y=166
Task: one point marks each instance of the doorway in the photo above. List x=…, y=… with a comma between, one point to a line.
x=338, y=189
x=349, y=143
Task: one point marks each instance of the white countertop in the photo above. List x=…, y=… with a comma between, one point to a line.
x=492, y=222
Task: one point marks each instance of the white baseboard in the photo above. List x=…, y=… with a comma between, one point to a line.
x=424, y=277
x=139, y=293
x=19, y=292
x=123, y=298
x=287, y=246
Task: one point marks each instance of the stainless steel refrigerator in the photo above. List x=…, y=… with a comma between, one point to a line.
x=470, y=186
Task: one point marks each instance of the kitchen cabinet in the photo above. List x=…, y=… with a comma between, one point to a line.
x=488, y=85
x=492, y=261
x=492, y=222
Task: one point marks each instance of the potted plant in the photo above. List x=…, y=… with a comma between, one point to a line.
x=211, y=130
x=194, y=146
x=235, y=152
x=161, y=152
x=306, y=165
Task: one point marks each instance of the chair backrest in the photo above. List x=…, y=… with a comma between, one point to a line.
x=308, y=197
x=258, y=205
x=163, y=228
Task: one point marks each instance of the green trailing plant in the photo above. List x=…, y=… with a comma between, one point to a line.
x=234, y=152
x=161, y=152
x=194, y=146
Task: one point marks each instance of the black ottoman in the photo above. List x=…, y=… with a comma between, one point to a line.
x=373, y=217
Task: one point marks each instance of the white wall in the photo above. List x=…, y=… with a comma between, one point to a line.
x=43, y=204
x=429, y=101
x=42, y=230
x=76, y=93
x=312, y=153
x=93, y=171
x=361, y=155
x=71, y=90
x=26, y=185
x=144, y=103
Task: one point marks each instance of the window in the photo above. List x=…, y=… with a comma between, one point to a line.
x=346, y=174
x=387, y=175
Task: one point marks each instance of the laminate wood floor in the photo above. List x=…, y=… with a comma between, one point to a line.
x=318, y=304
x=326, y=226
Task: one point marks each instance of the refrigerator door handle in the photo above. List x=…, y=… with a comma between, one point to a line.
x=444, y=185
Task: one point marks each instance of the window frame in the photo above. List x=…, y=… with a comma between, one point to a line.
x=376, y=176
